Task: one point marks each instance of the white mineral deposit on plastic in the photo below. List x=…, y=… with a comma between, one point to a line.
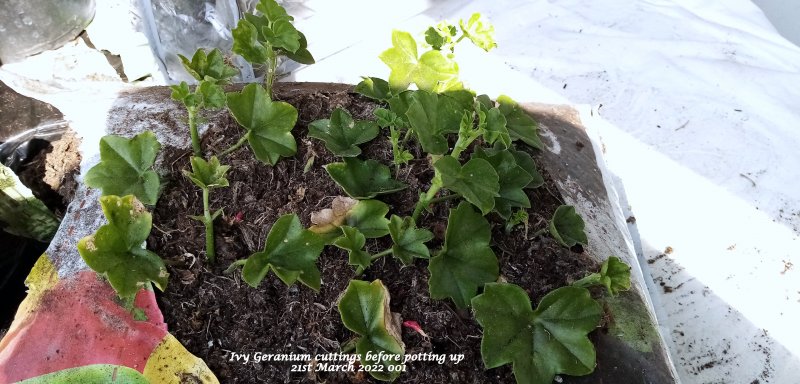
x=554, y=146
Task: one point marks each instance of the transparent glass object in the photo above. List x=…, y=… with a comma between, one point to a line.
x=28, y=27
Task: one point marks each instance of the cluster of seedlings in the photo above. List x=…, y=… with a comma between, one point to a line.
x=471, y=143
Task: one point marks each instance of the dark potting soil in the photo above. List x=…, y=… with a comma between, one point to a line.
x=215, y=314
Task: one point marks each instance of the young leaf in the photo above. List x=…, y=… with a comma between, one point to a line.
x=363, y=179
x=282, y=34
x=21, y=213
x=466, y=261
x=494, y=128
x=301, y=55
x=387, y=118
x=268, y=123
x=341, y=134
x=115, y=250
x=525, y=161
x=540, y=344
x=273, y=11
x=517, y=217
x=364, y=308
x=353, y=242
x=125, y=167
x=409, y=242
x=368, y=216
x=431, y=117
x=247, y=44
x=512, y=180
x=182, y=93
x=614, y=274
x=430, y=72
x=566, y=226
x=476, y=181
x=211, y=94
x=210, y=67
x=520, y=125
x=441, y=36
x=374, y=88
x=479, y=33
x=207, y=174
x=291, y=251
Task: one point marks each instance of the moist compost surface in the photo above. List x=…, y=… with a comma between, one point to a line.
x=216, y=315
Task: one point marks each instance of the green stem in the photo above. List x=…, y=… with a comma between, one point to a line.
x=192, y=111
x=272, y=68
x=425, y=200
x=380, y=254
x=209, y=224
x=443, y=198
x=374, y=257
x=588, y=281
x=235, y=265
x=233, y=147
x=539, y=232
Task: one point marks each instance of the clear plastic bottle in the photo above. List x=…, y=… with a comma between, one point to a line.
x=28, y=27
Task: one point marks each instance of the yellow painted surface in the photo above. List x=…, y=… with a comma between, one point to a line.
x=170, y=362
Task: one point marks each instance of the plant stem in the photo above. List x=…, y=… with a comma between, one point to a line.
x=235, y=265
x=588, y=281
x=443, y=198
x=374, y=257
x=209, y=224
x=539, y=232
x=192, y=111
x=425, y=200
x=380, y=254
x=272, y=69
x=233, y=147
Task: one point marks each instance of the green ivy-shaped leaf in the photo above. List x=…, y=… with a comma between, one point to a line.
x=268, y=123
x=364, y=308
x=409, y=242
x=520, y=125
x=567, y=226
x=212, y=95
x=368, y=216
x=341, y=134
x=525, y=161
x=282, y=34
x=493, y=123
x=432, y=116
x=125, y=167
x=290, y=251
x=387, y=118
x=247, y=44
x=207, y=174
x=479, y=32
x=374, y=88
x=273, y=11
x=614, y=274
x=115, y=249
x=210, y=67
x=301, y=55
x=432, y=71
x=182, y=93
x=207, y=94
x=353, y=242
x=540, y=344
x=441, y=36
x=363, y=179
x=466, y=261
x=476, y=181
x=512, y=179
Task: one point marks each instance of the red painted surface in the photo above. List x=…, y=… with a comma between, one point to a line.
x=80, y=322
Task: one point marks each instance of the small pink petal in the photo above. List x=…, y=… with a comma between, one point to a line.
x=415, y=327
